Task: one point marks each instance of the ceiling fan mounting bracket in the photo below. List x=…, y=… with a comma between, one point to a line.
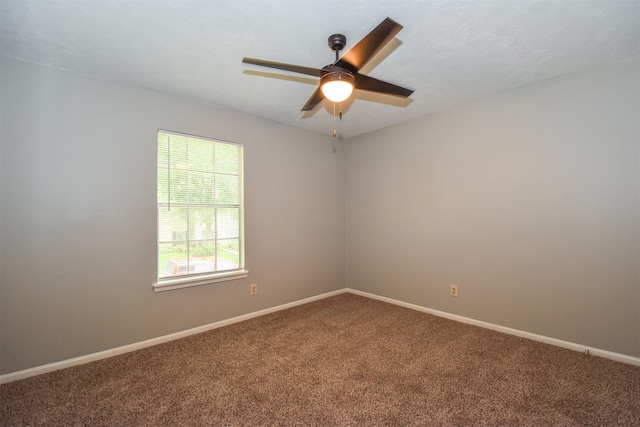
x=337, y=42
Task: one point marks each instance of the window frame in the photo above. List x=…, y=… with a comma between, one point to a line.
x=189, y=280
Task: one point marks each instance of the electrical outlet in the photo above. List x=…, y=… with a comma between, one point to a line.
x=254, y=289
x=454, y=290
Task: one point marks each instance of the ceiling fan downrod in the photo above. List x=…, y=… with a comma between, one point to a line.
x=337, y=42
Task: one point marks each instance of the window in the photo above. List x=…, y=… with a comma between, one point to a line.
x=200, y=211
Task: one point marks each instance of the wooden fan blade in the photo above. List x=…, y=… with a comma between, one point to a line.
x=371, y=44
x=375, y=85
x=315, y=99
x=286, y=67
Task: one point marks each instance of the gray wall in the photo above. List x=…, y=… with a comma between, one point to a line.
x=528, y=201
x=78, y=216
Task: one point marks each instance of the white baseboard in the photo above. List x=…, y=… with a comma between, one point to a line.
x=13, y=376
x=541, y=338
x=6, y=378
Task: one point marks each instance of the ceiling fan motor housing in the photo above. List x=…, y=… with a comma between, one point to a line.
x=332, y=73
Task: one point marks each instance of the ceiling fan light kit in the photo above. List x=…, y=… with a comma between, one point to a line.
x=337, y=86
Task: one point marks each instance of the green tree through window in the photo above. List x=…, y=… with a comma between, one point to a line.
x=199, y=206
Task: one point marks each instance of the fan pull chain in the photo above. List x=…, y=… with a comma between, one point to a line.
x=334, y=120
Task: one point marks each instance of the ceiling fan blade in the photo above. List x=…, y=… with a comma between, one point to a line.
x=286, y=67
x=375, y=85
x=315, y=99
x=371, y=44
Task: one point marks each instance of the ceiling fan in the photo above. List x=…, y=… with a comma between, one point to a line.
x=339, y=79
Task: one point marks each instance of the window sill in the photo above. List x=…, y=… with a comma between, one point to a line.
x=186, y=282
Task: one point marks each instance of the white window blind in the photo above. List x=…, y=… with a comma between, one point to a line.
x=200, y=210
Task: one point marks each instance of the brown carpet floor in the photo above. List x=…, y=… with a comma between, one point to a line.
x=342, y=361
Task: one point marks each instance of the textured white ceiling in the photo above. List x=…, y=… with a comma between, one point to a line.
x=449, y=52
